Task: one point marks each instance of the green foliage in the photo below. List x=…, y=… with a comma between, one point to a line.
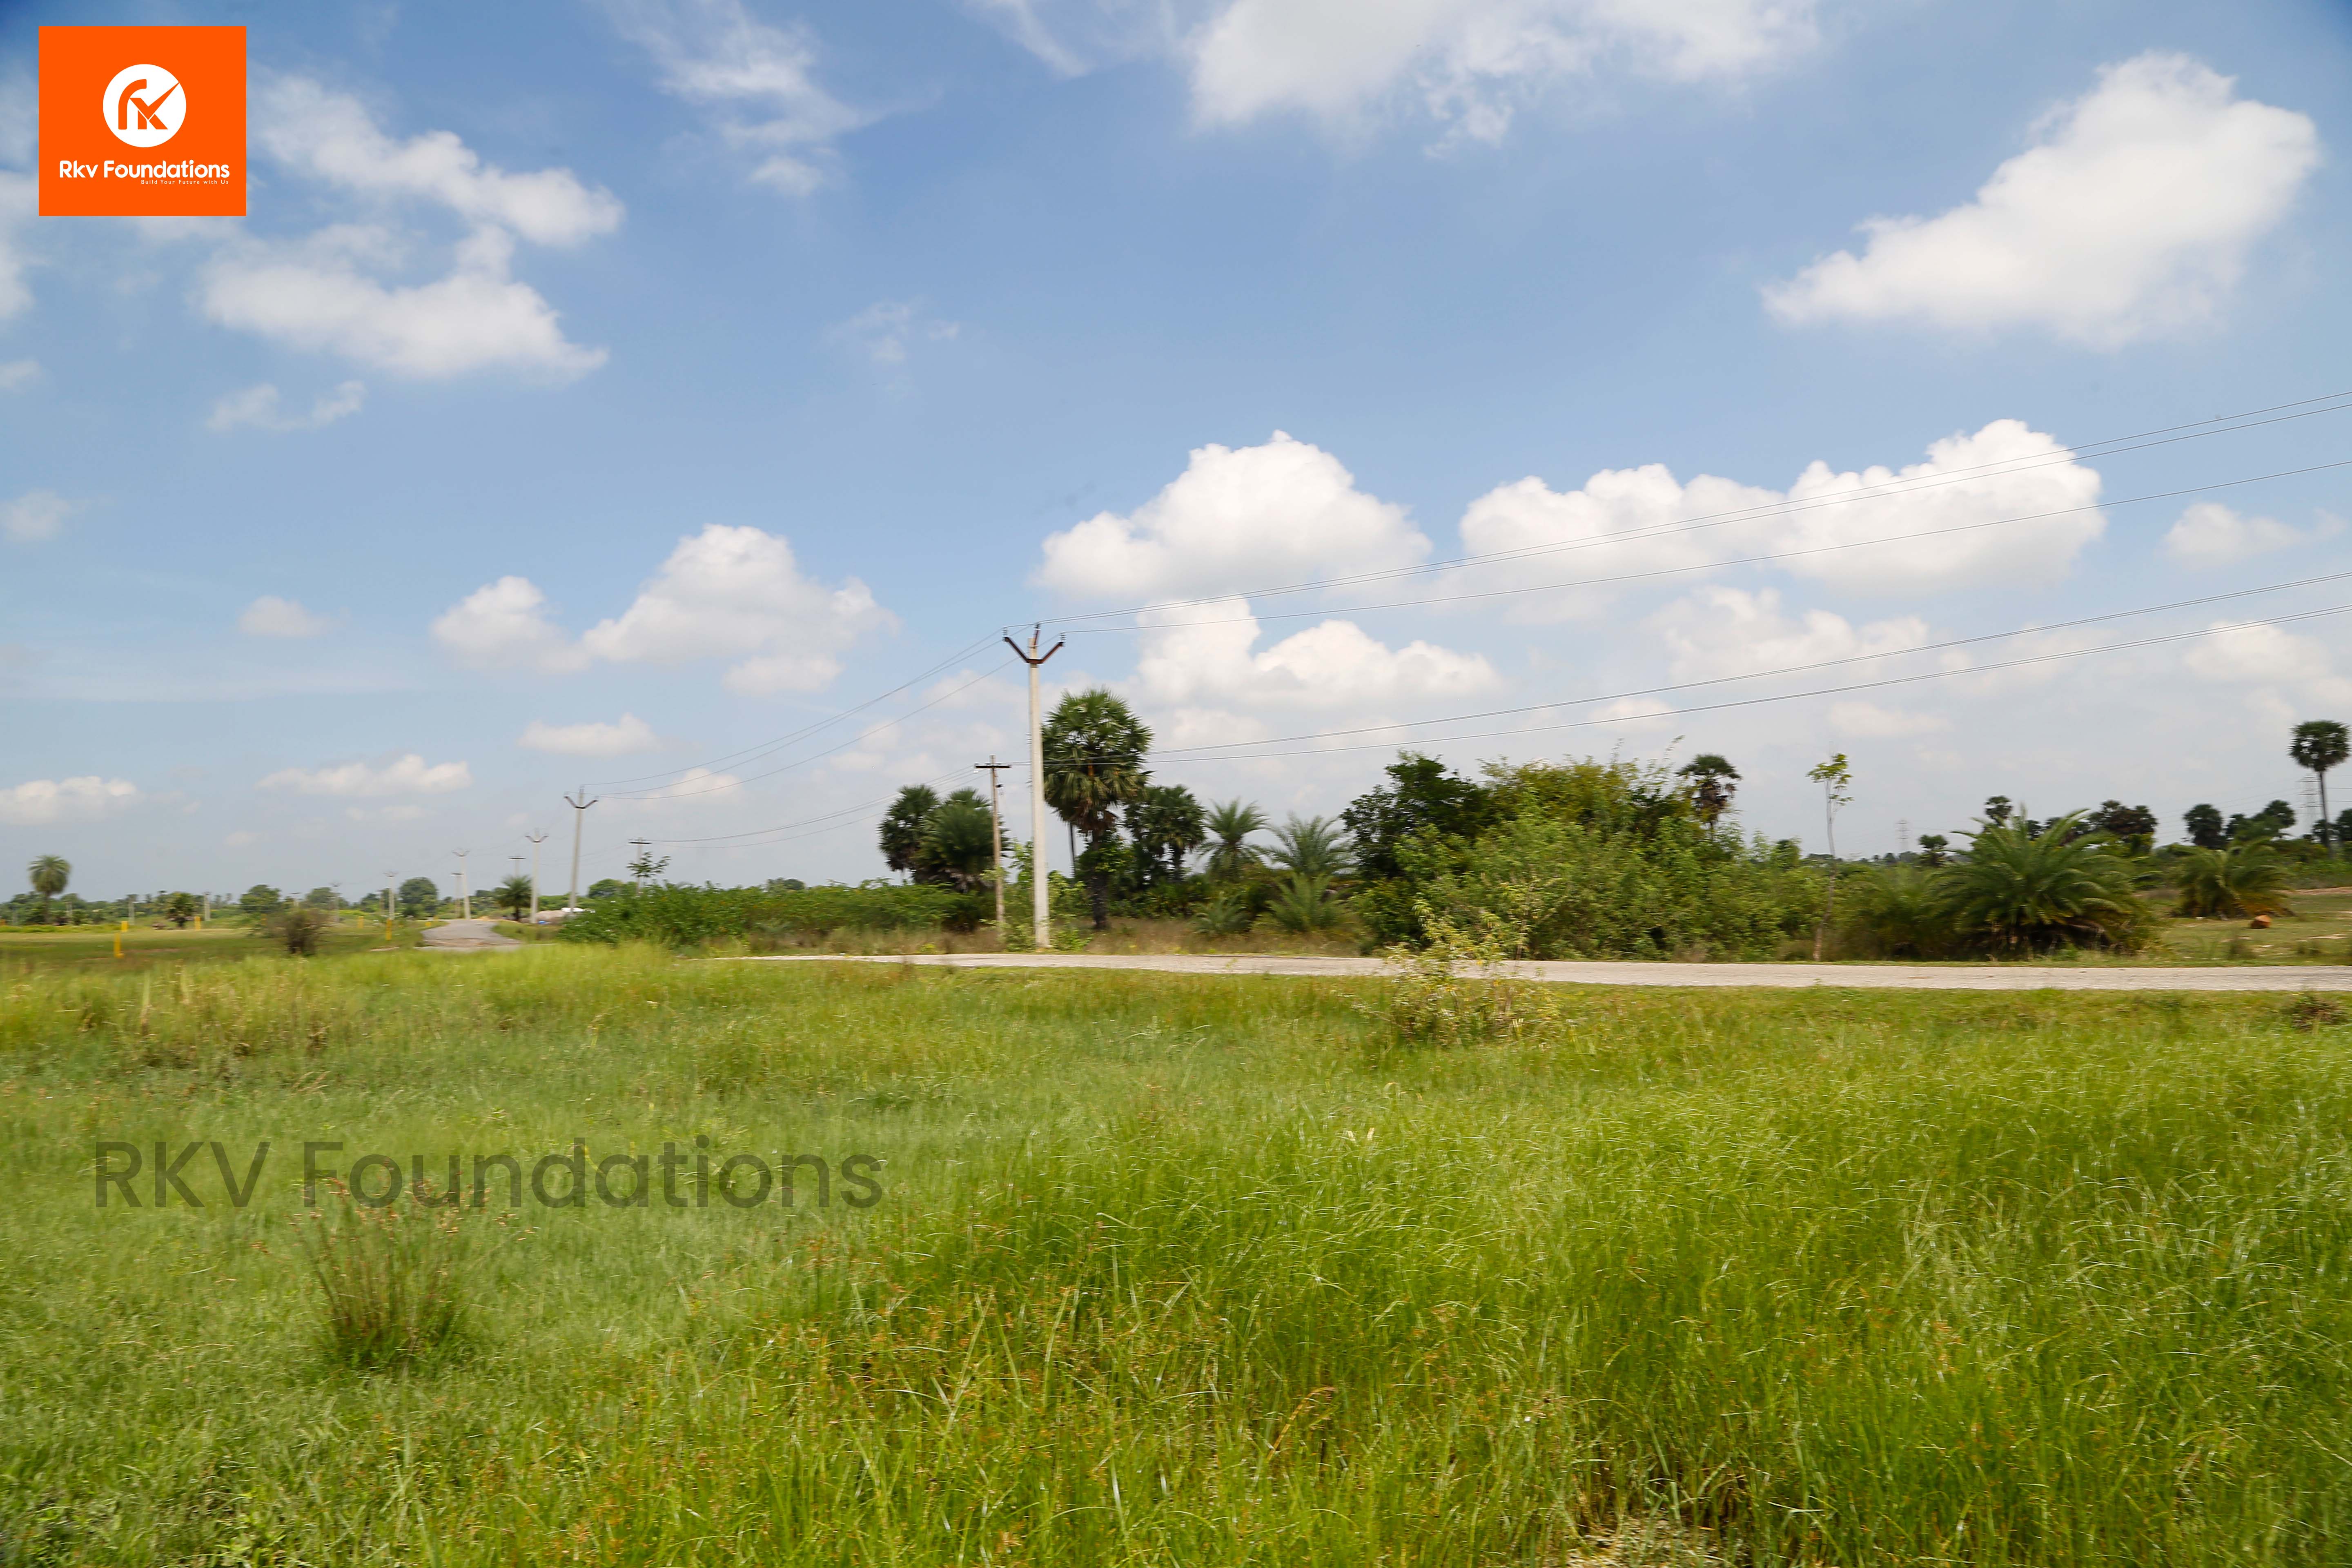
x=1422, y=801
x=1302, y=904
x=1229, y=826
x=2320, y=744
x=1713, y=782
x=388, y=1279
x=958, y=842
x=1094, y=752
x=2238, y=881
x=419, y=896
x=1454, y=991
x=2274, y=821
x=902, y=826
x=683, y=917
x=2133, y=826
x=49, y=874
x=1897, y=913
x=1166, y=825
x=261, y=901
x=2018, y=892
x=297, y=928
x=1935, y=850
x=181, y=907
x=1311, y=846
x=323, y=898
x=514, y=895
x=1230, y=911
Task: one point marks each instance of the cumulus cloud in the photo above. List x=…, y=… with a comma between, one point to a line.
x=1235, y=519
x=2256, y=653
x=16, y=374
x=321, y=293
x=271, y=616
x=343, y=290
x=409, y=775
x=756, y=82
x=258, y=406
x=738, y=593
x=596, y=738
x=1869, y=721
x=331, y=137
x=504, y=624
x=2132, y=216
x=1207, y=653
x=1631, y=520
x=725, y=592
x=2211, y=534
x=34, y=516
x=38, y=803
x=1718, y=631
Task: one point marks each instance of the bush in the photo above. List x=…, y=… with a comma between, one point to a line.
x=388, y=1281
x=1452, y=992
x=1302, y=904
x=2241, y=881
x=677, y=916
x=299, y=929
x=2020, y=892
x=1228, y=912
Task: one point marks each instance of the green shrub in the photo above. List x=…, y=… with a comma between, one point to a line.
x=2242, y=881
x=388, y=1279
x=2020, y=892
x=681, y=916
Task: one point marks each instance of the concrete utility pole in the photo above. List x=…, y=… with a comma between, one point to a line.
x=536, y=840
x=464, y=904
x=996, y=829
x=391, y=902
x=579, y=812
x=1037, y=888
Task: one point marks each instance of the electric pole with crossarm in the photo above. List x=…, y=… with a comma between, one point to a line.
x=1038, y=899
x=996, y=830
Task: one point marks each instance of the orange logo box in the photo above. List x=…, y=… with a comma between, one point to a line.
x=142, y=122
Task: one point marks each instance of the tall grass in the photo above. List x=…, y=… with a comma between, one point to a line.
x=1209, y=1271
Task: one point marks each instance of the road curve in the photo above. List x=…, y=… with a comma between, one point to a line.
x=464, y=936
x=1862, y=976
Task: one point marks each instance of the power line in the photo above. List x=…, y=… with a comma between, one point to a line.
x=2230, y=424
x=1678, y=570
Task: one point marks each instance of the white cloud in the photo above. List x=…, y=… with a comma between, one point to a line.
x=271, y=616
x=504, y=624
x=333, y=137
x=319, y=293
x=1234, y=520
x=2131, y=217
x=757, y=83
x=1868, y=721
x=1625, y=520
x=738, y=593
x=725, y=592
x=409, y=775
x=2211, y=534
x=16, y=374
x=1718, y=631
x=1471, y=61
x=37, y=803
x=34, y=516
x=595, y=739
x=18, y=203
x=694, y=784
x=1204, y=654
x=2258, y=653
x=882, y=330
x=259, y=407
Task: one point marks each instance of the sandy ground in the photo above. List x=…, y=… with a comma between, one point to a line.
x=1865, y=976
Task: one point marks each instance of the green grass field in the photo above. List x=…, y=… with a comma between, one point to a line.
x=1185, y=1271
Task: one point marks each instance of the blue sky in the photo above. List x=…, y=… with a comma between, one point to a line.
x=596, y=392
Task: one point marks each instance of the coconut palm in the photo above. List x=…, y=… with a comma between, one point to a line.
x=1095, y=747
x=1230, y=826
x=2320, y=744
x=2018, y=891
x=2241, y=879
x=48, y=874
x=1312, y=846
x=513, y=895
x=1713, y=781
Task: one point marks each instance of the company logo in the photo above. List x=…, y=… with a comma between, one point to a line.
x=145, y=105
x=172, y=142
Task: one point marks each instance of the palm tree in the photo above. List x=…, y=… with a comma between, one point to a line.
x=1166, y=826
x=1095, y=747
x=181, y=908
x=2320, y=744
x=48, y=874
x=959, y=842
x=902, y=826
x=1312, y=846
x=1304, y=904
x=2241, y=879
x=513, y=895
x=1230, y=826
x=1713, y=781
x=2019, y=891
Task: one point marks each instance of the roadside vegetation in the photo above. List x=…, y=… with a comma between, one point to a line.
x=1179, y=1271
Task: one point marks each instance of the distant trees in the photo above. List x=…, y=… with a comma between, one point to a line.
x=1166, y=826
x=419, y=896
x=2134, y=826
x=260, y=901
x=2206, y=829
x=2320, y=744
x=323, y=898
x=958, y=843
x=1935, y=850
x=1095, y=747
x=1421, y=797
x=902, y=827
x=2274, y=821
x=181, y=908
x=1713, y=781
x=514, y=895
x=49, y=875
x=1997, y=809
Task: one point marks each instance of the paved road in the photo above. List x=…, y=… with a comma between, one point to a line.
x=466, y=935
x=1867, y=976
